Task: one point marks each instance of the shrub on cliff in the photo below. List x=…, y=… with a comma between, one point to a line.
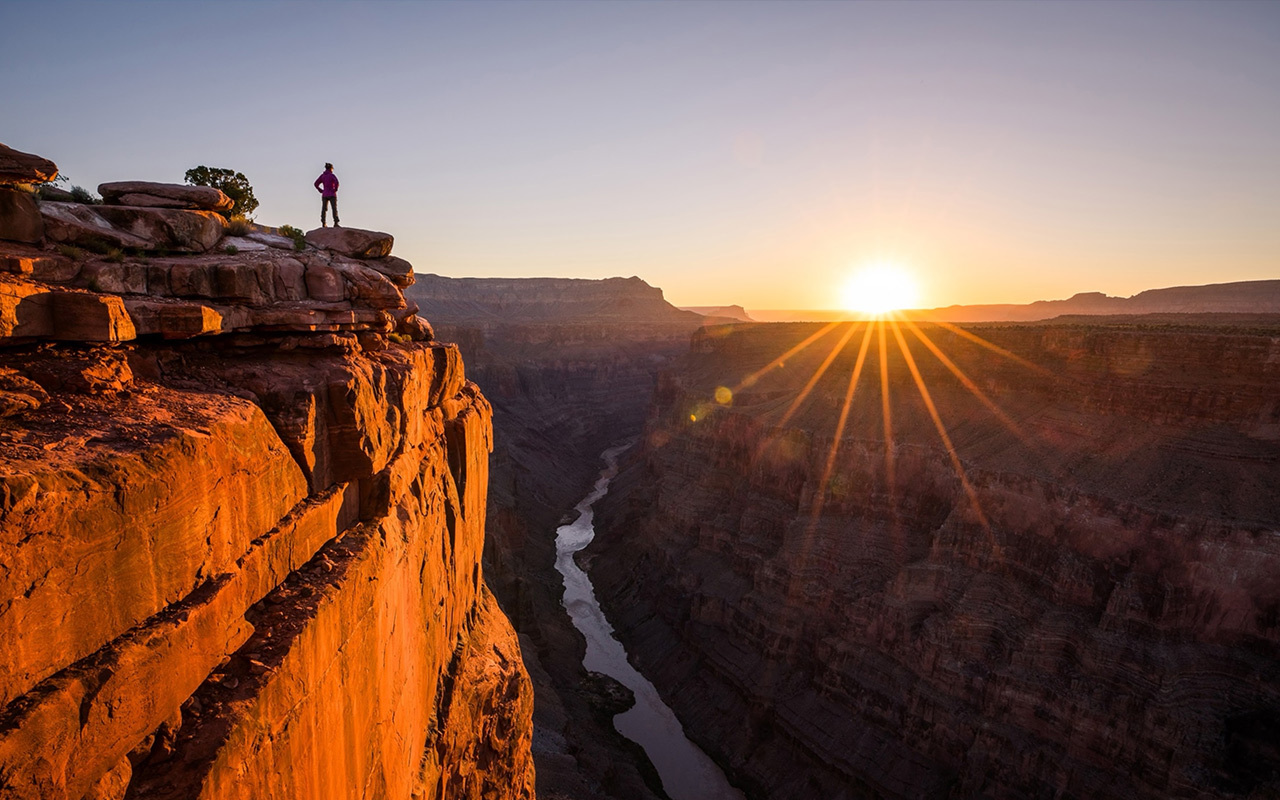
x=239, y=226
x=79, y=194
x=299, y=238
x=233, y=184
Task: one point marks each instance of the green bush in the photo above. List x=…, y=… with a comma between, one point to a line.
x=115, y=254
x=97, y=246
x=239, y=226
x=232, y=249
x=234, y=184
x=71, y=251
x=299, y=238
x=82, y=195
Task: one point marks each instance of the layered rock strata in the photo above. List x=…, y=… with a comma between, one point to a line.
x=1074, y=594
x=242, y=510
x=569, y=366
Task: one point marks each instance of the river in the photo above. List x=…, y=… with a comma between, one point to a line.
x=687, y=773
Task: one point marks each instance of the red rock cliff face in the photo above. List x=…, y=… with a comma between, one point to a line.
x=241, y=527
x=1091, y=611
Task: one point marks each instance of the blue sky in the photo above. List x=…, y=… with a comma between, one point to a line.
x=752, y=153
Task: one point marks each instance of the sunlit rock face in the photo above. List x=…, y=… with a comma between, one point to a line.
x=241, y=531
x=1081, y=603
x=570, y=366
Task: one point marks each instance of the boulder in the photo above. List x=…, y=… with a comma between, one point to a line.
x=164, y=195
x=20, y=216
x=244, y=244
x=273, y=240
x=325, y=284
x=53, y=268
x=85, y=317
x=25, y=309
x=352, y=242
x=81, y=225
x=130, y=226
x=368, y=287
x=173, y=320
x=19, y=167
x=397, y=270
x=19, y=393
x=110, y=277
x=416, y=328
x=168, y=228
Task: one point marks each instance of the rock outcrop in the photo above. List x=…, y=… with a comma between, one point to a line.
x=25, y=168
x=352, y=242
x=241, y=522
x=135, y=227
x=20, y=219
x=164, y=195
x=1073, y=594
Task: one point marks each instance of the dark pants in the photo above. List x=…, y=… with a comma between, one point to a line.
x=325, y=203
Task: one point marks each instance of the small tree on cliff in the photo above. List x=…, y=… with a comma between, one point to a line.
x=234, y=184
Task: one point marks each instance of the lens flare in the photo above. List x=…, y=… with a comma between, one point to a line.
x=879, y=289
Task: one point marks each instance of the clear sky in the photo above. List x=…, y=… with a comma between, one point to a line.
x=749, y=152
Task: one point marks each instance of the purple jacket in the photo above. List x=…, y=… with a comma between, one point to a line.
x=327, y=183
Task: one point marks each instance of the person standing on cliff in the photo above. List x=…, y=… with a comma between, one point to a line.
x=327, y=186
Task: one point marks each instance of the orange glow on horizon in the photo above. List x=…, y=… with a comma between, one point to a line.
x=879, y=289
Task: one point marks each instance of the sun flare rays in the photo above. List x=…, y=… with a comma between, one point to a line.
x=884, y=338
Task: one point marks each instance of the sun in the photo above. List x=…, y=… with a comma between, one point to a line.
x=879, y=289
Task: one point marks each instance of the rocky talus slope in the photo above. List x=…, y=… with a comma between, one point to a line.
x=242, y=510
x=570, y=366
x=1083, y=603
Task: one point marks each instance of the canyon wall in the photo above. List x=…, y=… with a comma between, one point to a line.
x=242, y=511
x=1240, y=297
x=1074, y=593
x=569, y=366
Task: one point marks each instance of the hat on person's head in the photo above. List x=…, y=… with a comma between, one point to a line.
x=327, y=165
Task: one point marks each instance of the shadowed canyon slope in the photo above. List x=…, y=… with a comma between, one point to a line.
x=1083, y=603
x=242, y=509
x=569, y=366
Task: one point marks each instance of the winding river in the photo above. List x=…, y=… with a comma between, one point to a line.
x=687, y=773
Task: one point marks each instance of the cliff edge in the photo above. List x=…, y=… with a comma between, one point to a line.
x=242, y=509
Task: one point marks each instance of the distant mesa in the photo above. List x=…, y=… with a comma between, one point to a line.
x=1242, y=297
x=737, y=313
x=505, y=301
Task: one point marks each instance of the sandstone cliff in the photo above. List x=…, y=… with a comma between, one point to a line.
x=1084, y=603
x=570, y=366
x=242, y=510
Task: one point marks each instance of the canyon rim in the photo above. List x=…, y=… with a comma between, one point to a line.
x=242, y=510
